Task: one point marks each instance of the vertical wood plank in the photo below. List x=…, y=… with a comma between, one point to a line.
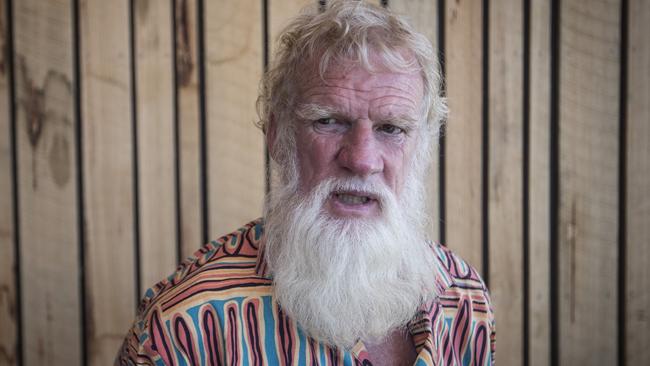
x=47, y=172
x=423, y=15
x=156, y=150
x=188, y=119
x=506, y=174
x=463, y=142
x=235, y=145
x=539, y=185
x=638, y=184
x=280, y=12
x=8, y=313
x=108, y=176
x=589, y=111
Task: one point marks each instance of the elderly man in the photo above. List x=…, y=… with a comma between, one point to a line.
x=339, y=271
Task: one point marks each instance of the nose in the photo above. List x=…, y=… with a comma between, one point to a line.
x=360, y=153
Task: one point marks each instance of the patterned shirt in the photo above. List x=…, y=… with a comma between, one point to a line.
x=218, y=309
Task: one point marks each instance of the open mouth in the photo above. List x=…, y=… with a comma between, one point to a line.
x=353, y=198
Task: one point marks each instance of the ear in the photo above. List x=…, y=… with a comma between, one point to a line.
x=270, y=134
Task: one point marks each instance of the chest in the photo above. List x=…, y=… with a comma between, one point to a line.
x=253, y=331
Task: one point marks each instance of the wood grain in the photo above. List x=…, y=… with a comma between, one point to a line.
x=156, y=150
x=505, y=191
x=539, y=185
x=8, y=306
x=235, y=145
x=589, y=111
x=638, y=185
x=108, y=176
x=47, y=177
x=280, y=12
x=463, y=29
x=187, y=92
x=423, y=16
x=48, y=184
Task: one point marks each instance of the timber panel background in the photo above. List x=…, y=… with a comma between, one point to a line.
x=127, y=139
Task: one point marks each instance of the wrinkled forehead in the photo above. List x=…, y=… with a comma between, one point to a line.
x=349, y=76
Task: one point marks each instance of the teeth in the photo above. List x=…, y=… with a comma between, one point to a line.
x=352, y=199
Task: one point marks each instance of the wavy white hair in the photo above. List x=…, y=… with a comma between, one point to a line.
x=347, y=31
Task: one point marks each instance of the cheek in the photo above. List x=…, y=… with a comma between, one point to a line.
x=399, y=163
x=316, y=158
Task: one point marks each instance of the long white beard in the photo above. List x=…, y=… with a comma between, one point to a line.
x=344, y=280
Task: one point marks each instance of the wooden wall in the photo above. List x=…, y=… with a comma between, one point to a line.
x=127, y=139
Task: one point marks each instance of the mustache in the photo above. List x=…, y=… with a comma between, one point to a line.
x=375, y=190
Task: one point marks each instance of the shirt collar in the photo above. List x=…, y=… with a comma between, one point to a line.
x=261, y=267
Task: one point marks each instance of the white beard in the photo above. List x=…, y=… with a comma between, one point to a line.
x=344, y=280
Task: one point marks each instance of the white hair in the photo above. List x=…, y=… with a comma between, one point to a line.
x=347, y=31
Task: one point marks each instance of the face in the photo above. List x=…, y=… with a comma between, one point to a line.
x=356, y=124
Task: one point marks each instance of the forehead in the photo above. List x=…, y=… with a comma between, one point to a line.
x=349, y=80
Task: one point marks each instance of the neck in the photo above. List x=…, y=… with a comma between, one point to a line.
x=395, y=349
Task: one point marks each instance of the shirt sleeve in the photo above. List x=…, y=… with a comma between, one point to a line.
x=132, y=352
x=146, y=343
x=139, y=346
x=463, y=326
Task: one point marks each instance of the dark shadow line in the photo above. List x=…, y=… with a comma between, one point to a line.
x=9, y=54
x=554, y=184
x=622, y=186
x=442, y=178
x=526, y=183
x=485, y=146
x=265, y=67
x=202, y=120
x=81, y=203
x=177, y=160
x=135, y=164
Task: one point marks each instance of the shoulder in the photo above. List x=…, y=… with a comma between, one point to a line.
x=454, y=272
x=459, y=283
x=232, y=256
x=462, y=317
x=220, y=270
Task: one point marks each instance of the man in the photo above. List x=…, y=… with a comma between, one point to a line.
x=339, y=270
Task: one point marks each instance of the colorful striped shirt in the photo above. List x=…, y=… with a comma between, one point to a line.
x=218, y=309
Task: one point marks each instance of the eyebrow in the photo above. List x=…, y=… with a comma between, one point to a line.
x=401, y=119
x=313, y=111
